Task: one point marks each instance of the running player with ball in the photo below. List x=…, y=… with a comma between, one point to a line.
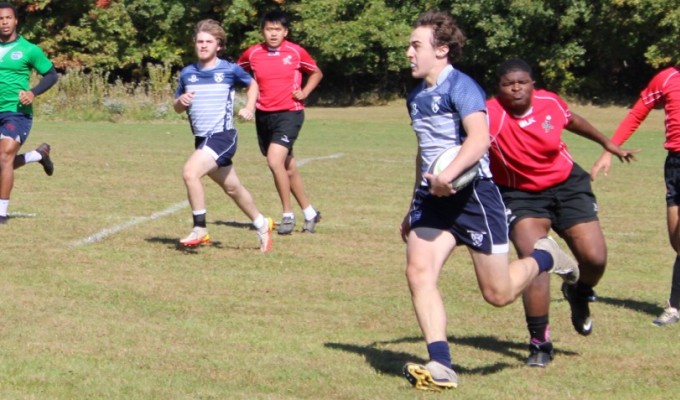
x=448, y=109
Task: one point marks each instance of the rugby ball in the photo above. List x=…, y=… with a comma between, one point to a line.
x=444, y=159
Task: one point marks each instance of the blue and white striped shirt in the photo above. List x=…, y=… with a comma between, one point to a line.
x=212, y=109
x=437, y=113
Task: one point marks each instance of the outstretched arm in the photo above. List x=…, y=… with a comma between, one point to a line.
x=582, y=127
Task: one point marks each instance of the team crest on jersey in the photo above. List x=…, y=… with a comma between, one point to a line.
x=193, y=78
x=414, y=109
x=219, y=77
x=16, y=55
x=288, y=60
x=477, y=238
x=435, y=103
x=547, y=125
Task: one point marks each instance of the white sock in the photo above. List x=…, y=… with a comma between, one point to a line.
x=32, y=156
x=4, y=205
x=289, y=215
x=310, y=213
x=199, y=212
x=259, y=222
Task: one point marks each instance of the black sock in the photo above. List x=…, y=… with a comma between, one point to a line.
x=538, y=328
x=199, y=220
x=583, y=289
x=674, y=300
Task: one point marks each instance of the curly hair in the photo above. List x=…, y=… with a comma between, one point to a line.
x=214, y=28
x=445, y=32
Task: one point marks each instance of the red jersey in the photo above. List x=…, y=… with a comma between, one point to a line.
x=278, y=72
x=664, y=88
x=527, y=152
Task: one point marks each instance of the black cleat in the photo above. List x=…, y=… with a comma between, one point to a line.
x=44, y=150
x=580, y=310
x=540, y=354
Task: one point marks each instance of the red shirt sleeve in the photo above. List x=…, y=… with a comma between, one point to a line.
x=632, y=121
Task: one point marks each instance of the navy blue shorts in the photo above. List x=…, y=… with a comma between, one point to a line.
x=15, y=126
x=671, y=172
x=565, y=204
x=221, y=146
x=475, y=216
x=280, y=127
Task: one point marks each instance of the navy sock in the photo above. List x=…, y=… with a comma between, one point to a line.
x=199, y=220
x=543, y=258
x=538, y=328
x=439, y=352
x=674, y=300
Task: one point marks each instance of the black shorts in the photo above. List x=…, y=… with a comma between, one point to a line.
x=280, y=127
x=475, y=216
x=671, y=173
x=565, y=204
x=221, y=146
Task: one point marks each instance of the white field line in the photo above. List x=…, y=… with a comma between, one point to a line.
x=170, y=210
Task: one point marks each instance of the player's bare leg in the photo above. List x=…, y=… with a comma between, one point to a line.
x=198, y=165
x=8, y=151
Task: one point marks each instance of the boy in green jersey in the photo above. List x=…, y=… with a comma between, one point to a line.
x=18, y=57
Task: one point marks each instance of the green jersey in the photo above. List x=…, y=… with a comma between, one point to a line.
x=17, y=59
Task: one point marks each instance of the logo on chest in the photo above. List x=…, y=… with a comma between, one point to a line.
x=547, y=125
x=219, y=77
x=436, y=100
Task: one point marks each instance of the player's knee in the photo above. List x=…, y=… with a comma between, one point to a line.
x=418, y=274
x=496, y=297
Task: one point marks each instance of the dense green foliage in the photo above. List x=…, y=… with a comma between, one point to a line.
x=602, y=49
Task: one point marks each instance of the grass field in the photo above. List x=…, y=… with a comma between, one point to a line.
x=97, y=301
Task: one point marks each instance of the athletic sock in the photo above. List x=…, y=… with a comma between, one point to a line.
x=543, y=258
x=440, y=352
x=4, y=205
x=32, y=156
x=583, y=289
x=288, y=214
x=259, y=222
x=674, y=300
x=539, y=328
x=199, y=218
x=309, y=212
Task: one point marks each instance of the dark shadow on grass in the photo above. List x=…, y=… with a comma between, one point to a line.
x=632, y=304
x=390, y=362
x=173, y=243
x=236, y=224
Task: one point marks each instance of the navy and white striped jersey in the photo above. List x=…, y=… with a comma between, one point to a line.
x=212, y=109
x=437, y=113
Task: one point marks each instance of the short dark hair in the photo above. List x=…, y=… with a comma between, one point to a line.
x=4, y=4
x=275, y=17
x=515, y=64
x=445, y=32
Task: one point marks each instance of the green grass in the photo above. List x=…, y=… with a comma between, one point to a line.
x=133, y=316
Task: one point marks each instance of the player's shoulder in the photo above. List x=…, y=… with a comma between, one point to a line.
x=666, y=75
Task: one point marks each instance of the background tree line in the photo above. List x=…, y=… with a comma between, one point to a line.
x=597, y=50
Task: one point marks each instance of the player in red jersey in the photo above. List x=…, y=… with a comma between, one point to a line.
x=278, y=66
x=664, y=88
x=544, y=188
